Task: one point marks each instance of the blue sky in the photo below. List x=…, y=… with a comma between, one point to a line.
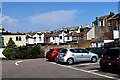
x=41, y=16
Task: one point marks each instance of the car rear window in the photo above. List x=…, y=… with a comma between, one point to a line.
x=59, y=50
x=111, y=54
x=63, y=50
x=72, y=50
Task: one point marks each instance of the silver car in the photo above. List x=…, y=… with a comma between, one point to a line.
x=71, y=55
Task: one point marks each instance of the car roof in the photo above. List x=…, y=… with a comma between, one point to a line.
x=71, y=48
x=56, y=48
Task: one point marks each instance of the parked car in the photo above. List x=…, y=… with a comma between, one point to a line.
x=52, y=53
x=98, y=51
x=71, y=55
x=111, y=59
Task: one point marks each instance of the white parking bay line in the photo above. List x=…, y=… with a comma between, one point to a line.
x=93, y=70
x=16, y=63
x=89, y=63
x=90, y=71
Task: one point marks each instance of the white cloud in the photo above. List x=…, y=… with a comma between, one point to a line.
x=53, y=17
x=43, y=21
x=9, y=21
x=11, y=24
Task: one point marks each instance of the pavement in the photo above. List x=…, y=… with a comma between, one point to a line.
x=37, y=69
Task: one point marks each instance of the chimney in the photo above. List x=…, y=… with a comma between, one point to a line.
x=111, y=13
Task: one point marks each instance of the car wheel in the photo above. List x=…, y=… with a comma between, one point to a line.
x=94, y=59
x=103, y=69
x=70, y=61
x=55, y=58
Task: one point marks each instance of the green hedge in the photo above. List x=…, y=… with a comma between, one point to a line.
x=30, y=52
x=12, y=52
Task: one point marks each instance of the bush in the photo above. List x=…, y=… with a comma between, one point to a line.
x=36, y=52
x=23, y=52
x=30, y=52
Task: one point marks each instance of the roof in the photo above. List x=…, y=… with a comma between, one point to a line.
x=72, y=28
x=9, y=33
x=115, y=48
x=31, y=33
x=98, y=40
x=102, y=17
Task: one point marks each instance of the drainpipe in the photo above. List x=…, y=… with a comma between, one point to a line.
x=97, y=31
x=119, y=21
x=119, y=30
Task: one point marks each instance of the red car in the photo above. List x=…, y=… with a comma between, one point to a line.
x=52, y=54
x=111, y=60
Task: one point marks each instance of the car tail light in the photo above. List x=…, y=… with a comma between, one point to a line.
x=64, y=53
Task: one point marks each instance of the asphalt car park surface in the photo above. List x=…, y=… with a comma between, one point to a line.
x=94, y=67
x=41, y=68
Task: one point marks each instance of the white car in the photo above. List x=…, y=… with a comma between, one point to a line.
x=71, y=55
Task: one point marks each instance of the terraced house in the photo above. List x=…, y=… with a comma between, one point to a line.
x=104, y=29
x=62, y=36
x=18, y=38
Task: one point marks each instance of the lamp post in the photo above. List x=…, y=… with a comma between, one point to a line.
x=63, y=37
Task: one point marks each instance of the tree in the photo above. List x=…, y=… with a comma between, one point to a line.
x=10, y=50
x=11, y=43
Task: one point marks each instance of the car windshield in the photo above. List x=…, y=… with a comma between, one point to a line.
x=51, y=50
x=97, y=50
x=111, y=54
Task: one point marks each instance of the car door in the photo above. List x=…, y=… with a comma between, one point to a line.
x=84, y=55
x=113, y=58
x=75, y=54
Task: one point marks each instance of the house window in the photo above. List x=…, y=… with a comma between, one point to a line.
x=60, y=37
x=68, y=38
x=46, y=37
x=110, y=30
x=18, y=38
x=34, y=39
x=53, y=38
x=81, y=36
x=75, y=38
x=117, y=25
x=110, y=23
x=82, y=29
x=101, y=23
x=40, y=38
